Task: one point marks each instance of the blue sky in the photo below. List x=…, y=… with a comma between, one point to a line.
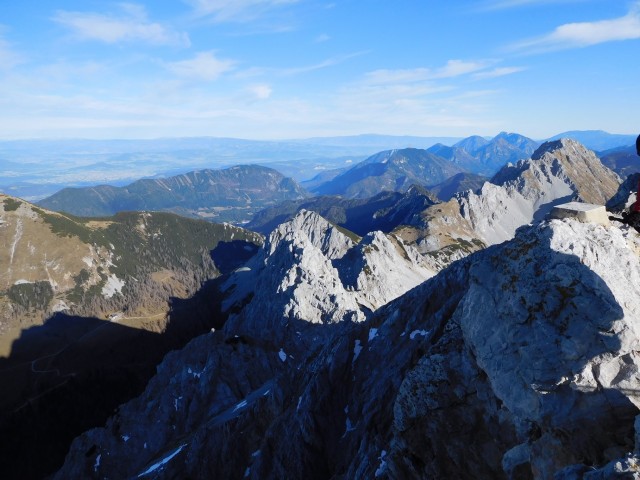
x=276, y=69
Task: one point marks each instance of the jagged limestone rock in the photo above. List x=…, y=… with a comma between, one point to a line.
x=501, y=366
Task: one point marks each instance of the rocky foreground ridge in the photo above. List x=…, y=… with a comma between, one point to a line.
x=519, y=361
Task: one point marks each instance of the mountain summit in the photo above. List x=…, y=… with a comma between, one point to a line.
x=521, y=193
x=391, y=170
x=312, y=272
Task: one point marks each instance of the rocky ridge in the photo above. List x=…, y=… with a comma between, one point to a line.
x=384, y=211
x=501, y=366
x=558, y=172
x=311, y=271
x=391, y=170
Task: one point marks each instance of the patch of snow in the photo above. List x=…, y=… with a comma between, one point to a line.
x=114, y=285
x=125, y=438
x=242, y=269
x=415, y=333
x=162, y=462
x=299, y=402
x=97, y=464
x=256, y=453
x=357, y=348
x=282, y=355
x=242, y=404
x=21, y=282
x=61, y=306
x=247, y=472
x=348, y=427
x=383, y=464
x=373, y=333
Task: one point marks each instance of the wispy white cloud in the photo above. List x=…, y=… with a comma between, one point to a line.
x=129, y=24
x=386, y=76
x=329, y=62
x=453, y=68
x=204, y=66
x=584, y=34
x=9, y=58
x=322, y=38
x=506, y=4
x=261, y=91
x=235, y=10
x=253, y=72
x=497, y=72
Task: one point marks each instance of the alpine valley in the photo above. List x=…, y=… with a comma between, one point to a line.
x=415, y=314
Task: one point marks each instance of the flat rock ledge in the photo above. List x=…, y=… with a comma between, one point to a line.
x=583, y=212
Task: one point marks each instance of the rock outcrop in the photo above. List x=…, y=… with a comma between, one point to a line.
x=501, y=366
x=310, y=271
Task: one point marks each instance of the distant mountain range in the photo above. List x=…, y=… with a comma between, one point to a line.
x=235, y=194
x=392, y=170
x=597, y=140
x=397, y=170
x=623, y=160
x=481, y=156
x=384, y=211
x=35, y=169
x=231, y=194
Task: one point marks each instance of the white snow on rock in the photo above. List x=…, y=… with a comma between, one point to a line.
x=373, y=333
x=162, y=462
x=357, y=348
x=240, y=405
x=383, y=464
x=112, y=286
x=282, y=355
x=415, y=333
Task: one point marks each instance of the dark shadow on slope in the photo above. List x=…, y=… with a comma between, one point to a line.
x=541, y=321
x=68, y=375
x=229, y=256
x=545, y=209
x=617, y=203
